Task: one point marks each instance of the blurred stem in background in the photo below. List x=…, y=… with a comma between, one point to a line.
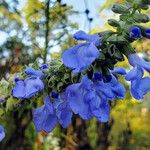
x=46, y=29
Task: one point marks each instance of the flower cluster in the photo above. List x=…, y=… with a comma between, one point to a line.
x=85, y=82
x=82, y=55
x=92, y=94
x=30, y=86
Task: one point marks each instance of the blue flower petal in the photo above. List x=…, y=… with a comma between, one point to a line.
x=144, y=85
x=94, y=105
x=145, y=65
x=19, y=89
x=119, y=70
x=33, y=85
x=147, y=33
x=2, y=133
x=135, y=60
x=63, y=111
x=119, y=90
x=134, y=91
x=44, y=117
x=86, y=83
x=135, y=32
x=80, y=56
x=105, y=112
x=105, y=88
x=140, y=87
x=134, y=74
x=97, y=76
x=81, y=35
x=76, y=101
x=33, y=72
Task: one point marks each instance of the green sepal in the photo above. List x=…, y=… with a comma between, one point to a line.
x=117, y=39
x=60, y=86
x=114, y=52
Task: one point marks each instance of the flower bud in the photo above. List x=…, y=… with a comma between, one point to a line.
x=120, y=9
x=141, y=18
x=113, y=22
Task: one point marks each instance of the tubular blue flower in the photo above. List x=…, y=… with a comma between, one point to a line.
x=135, y=60
x=63, y=111
x=82, y=55
x=147, y=33
x=44, y=117
x=119, y=70
x=135, y=32
x=81, y=35
x=32, y=72
x=2, y=133
x=139, y=85
x=27, y=88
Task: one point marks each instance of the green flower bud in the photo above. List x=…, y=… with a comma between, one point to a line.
x=113, y=22
x=141, y=18
x=120, y=9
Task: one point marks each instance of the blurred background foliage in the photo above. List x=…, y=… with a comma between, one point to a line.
x=38, y=32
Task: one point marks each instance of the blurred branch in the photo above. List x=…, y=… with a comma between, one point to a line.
x=47, y=29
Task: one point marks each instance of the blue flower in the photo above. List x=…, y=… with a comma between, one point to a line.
x=82, y=55
x=139, y=85
x=63, y=111
x=90, y=98
x=81, y=35
x=30, y=86
x=119, y=70
x=112, y=90
x=135, y=32
x=32, y=72
x=2, y=133
x=147, y=33
x=44, y=117
x=27, y=88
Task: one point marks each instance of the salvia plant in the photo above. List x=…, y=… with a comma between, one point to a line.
x=84, y=81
